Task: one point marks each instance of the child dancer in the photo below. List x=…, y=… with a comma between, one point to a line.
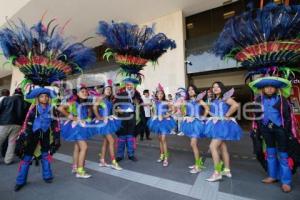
x=221, y=127
x=162, y=124
x=106, y=125
x=76, y=129
x=42, y=129
x=193, y=124
x=275, y=125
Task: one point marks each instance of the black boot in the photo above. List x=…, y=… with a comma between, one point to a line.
x=19, y=187
x=49, y=180
x=132, y=158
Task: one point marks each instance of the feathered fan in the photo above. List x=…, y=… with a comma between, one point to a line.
x=41, y=53
x=132, y=46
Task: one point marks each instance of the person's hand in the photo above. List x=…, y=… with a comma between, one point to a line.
x=105, y=120
x=99, y=118
x=227, y=118
x=72, y=118
x=120, y=111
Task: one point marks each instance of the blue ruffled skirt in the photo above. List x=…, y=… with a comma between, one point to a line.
x=163, y=127
x=76, y=133
x=194, y=129
x=112, y=126
x=223, y=130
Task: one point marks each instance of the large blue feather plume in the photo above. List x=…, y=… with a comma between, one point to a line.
x=130, y=39
x=47, y=41
x=271, y=23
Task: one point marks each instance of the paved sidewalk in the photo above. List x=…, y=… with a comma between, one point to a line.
x=143, y=180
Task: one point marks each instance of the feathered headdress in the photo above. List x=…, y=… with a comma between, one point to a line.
x=41, y=53
x=265, y=40
x=132, y=47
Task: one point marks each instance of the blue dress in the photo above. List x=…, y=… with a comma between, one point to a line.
x=113, y=124
x=164, y=126
x=219, y=128
x=196, y=127
x=80, y=130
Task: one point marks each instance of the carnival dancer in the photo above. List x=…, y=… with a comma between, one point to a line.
x=42, y=54
x=106, y=125
x=77, y=128
x=41, y=127
x=274, y=125
x=131, y=47
x=222, y=127
x=193, y=125
x=162, y=123
x=125, y=105
x=270, y=54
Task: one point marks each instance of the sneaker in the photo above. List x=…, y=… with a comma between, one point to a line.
x=215, y=177
x=161, y=158
x=195, y=170
x=165, y=163
x=74, y=170
x=116, y=166
x=83, y=175
x=173, y=133
x=103, y=164
x=226, y=173
x=192, y=167
x=180, y=134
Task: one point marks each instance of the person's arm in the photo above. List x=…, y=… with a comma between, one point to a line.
x=95, y=110
x=205, y=106
x=233, y=107
x=63, y=109
x=171, y=110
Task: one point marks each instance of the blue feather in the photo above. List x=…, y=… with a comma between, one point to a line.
x=40, y=40
x=273, y=22
x=130, y=39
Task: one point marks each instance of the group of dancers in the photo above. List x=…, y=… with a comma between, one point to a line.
x=44, y=56
x=108, y=116
x=200, y=120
